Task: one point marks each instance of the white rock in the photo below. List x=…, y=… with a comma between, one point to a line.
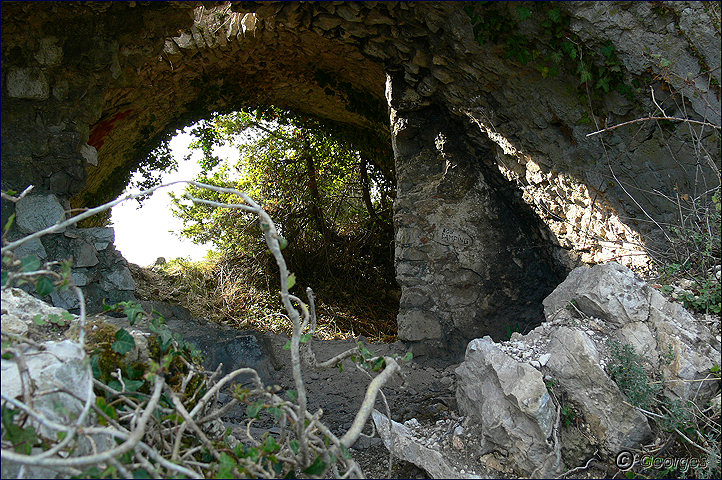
x=402, y=443
x=493, y=385
x=28, y=83
x=23, y=306
x=543, y=359
x=90, y=154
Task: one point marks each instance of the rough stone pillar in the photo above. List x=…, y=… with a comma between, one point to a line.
x=469, y=255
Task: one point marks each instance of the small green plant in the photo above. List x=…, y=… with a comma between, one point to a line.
x=556, y=50
x=511, y=329
x=550, y=384
x=627, y=370
x=54, y=319
x=568, y=415
x=694, y=251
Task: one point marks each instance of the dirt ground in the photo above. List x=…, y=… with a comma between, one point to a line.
x=425, y=392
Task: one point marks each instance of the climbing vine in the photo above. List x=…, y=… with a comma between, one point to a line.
x=556, y=50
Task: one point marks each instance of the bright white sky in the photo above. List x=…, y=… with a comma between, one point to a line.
x=146, y=233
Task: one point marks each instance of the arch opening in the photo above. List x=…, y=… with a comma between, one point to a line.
x=103, y=83
x=328, y=198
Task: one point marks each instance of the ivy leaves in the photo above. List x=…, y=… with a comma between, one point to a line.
x=556, y=50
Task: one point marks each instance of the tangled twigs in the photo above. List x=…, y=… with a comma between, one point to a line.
x=169, y=430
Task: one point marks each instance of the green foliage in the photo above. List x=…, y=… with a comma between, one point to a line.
x=568, y=415
x=331, y=202
x=680, y=418
x=627, y=370
x=556, y=50
x=706, y=299
x=694, y=251
x=45, y=277
x=124, y=342
x=306, y=180
x=510, y=329
x=54, y=319
x=22, y=438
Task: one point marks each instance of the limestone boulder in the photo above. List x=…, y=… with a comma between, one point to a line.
x=633, y=312
x=575, y=365
x=510, y=401
x=610, y=292
x=19, y=308
x=399, y=440
x=505, y=388
x=51, y=365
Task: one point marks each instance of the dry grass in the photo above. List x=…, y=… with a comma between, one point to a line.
x=242, y=292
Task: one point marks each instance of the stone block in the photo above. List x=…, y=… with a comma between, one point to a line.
x=610, y=292
x=38, y=212
x=80, y=279
x=65, y=299
x=119, y=279
x=416, y=325
x=574, y=363
x=31, y=247
x=84, y=255
x=100, y=237
x=511, y=403
x=49, y=54
x=27, y=83
x=55, y=363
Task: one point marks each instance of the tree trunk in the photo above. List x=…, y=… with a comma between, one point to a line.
x=365, y=189
x=313, y=189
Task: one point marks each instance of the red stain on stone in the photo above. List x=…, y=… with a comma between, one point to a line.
x=102, y=129
x=424, y=239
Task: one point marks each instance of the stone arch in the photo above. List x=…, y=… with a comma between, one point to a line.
x=488, y=153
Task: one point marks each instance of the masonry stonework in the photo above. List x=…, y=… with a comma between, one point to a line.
x=499, y=189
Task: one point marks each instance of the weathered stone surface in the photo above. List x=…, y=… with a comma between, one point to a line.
x=218, y=343
x=51, y=364
x=100, y=237
x=19, y=308
x=639, y=315
x=65, y=299
x=575, y=364
x=399, y=440
x=59, y=363
x=31, y=247
x=27, y=83
x=163, y=65
x=121, y=279
x=49, y=54
x=629, y=28
x=573, y=350
x=448, y=229
x=510, y=401
x=600, y=293
x=416, y=325
x=84, y=255
x=37, y=212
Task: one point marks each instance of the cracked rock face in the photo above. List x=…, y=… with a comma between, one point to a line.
x=510, y=401
x=504, y=388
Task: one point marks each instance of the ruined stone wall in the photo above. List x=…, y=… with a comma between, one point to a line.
x=497, y=161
